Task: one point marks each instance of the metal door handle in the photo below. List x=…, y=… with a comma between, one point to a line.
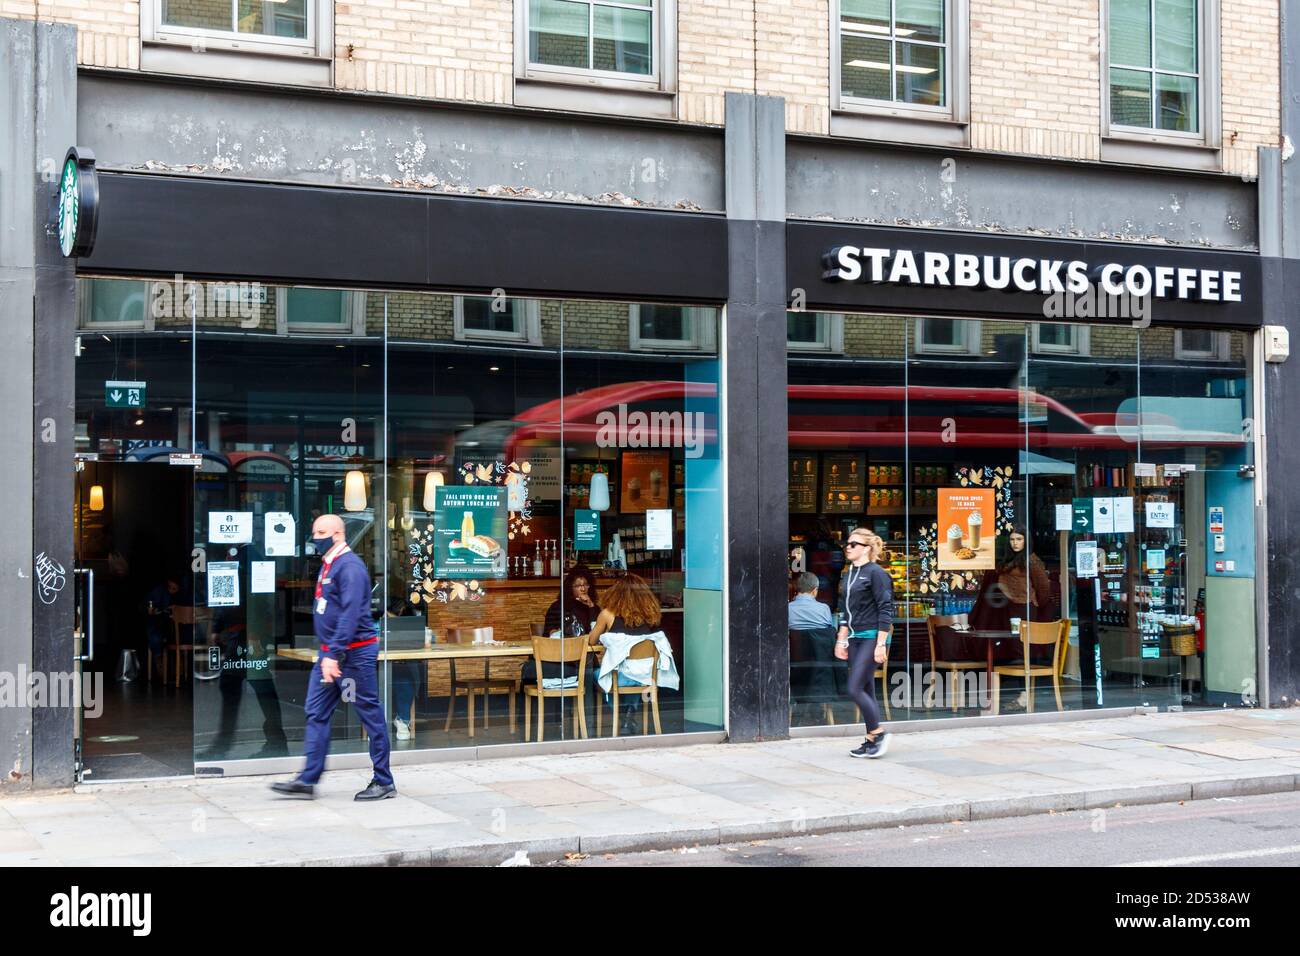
x=89, y=628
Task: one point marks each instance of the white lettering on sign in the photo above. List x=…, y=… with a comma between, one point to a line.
x=1026, y=274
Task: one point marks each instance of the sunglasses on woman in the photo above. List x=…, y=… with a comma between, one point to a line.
x=855, y=544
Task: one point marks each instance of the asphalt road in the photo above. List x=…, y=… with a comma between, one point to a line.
x=1236, y=831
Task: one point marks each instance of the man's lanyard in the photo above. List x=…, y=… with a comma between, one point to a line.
x=328, y=560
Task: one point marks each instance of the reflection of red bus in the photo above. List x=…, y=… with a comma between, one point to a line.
x=855, y=416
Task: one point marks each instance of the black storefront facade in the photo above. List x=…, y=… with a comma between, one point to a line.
x=477, y=249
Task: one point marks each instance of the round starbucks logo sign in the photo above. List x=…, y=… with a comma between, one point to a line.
x=69, y=205
x=78, y=203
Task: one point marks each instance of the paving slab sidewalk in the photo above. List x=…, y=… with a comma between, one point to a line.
x=550, y=805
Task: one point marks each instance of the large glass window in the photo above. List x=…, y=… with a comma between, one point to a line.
x=1155, y=64
x=1066, y=512
x=894, y=51
x=499, y=490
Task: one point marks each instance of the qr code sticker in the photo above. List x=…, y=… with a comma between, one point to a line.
x=223, y=587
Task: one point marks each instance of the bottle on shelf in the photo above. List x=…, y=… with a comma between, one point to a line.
x=538, y=570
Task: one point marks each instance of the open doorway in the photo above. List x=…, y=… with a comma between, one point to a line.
x=133, y=530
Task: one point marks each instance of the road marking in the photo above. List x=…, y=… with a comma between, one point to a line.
x=1218, y=857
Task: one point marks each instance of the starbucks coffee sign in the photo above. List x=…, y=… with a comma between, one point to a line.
x=78, y=203
x=1033, y=274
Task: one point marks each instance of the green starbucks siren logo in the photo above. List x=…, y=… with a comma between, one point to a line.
x=78, y=203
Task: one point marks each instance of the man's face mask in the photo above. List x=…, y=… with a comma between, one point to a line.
x=321, y=545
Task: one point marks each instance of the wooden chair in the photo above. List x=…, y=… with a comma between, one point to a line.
x=954, y=668
x=485, y=685
x=642, y=650
x=558, y=650
x=183, y=615
x=1036, y=633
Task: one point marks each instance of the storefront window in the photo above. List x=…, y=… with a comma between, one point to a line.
x=497, y=489
x=1110, y=476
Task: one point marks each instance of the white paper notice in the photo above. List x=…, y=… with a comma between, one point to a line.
x=281, y=536
x=1103, y=515
x=223, y=584
x=1123, y=515
x=1085, y=558
x=1144, y=469
x=1160, y=514
x=659, y=529
x=230, y=527
x=263, y=578
x=1064, y=519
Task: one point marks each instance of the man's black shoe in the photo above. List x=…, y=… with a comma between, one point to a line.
x=293, y=788
x=377, y=791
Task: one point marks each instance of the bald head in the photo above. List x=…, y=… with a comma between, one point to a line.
x=327, y=525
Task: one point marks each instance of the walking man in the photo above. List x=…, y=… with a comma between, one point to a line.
x=349, y=656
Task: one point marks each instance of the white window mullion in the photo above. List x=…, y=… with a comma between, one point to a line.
x=591, y=36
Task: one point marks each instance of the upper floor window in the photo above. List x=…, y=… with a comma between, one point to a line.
x=215, y=38
x=1059, y=338
x=671, y=328
x=1155, y=65
x=502, y=320
x=597, y=56
x=1161, y=102
x=1202, y=344
x=603, y=36
x=902, y=66
x=814, y=332
x=947, y=336
x=894, y=50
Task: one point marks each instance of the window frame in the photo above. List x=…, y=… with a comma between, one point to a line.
x=197, y=51
x=577, y=89
x=972, y=331
x=1146, y=146
x=86, y=306
x=529, y=331
x=703, y=334
x=1220, y=352
x=832, y=340
x=353, y=307
x=1080, y=345
x=890, y=120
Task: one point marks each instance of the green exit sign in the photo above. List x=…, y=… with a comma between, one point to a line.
x=124, y=394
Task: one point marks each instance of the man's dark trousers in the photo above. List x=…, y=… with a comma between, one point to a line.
x=360, y=674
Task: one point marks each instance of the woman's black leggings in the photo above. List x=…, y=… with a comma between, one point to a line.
x=862, y=679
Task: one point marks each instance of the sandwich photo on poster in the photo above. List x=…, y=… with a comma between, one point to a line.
x=967, y=529
x=645, y=482
x=470, y=532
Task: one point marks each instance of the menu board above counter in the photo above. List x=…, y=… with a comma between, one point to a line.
x=844, y=481
x=803, y=484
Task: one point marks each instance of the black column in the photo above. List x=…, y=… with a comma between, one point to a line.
x=755, y=333
x=53, y=425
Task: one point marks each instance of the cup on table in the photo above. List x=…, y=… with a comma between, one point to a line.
x=1015, y=625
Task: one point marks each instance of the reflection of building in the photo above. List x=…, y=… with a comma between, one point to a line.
x=542, y=232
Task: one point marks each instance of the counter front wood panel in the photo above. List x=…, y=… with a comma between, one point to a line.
x=510, y=608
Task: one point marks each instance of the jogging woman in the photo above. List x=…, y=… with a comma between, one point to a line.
x=868, y=616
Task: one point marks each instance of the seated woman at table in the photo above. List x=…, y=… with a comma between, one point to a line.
x=631, y=615
x=576, y=613
x=574, y=616
x=1017, y=588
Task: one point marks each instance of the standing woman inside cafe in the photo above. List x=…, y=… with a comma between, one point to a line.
x=866, y=624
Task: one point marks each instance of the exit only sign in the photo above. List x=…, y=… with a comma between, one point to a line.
x=124, y=394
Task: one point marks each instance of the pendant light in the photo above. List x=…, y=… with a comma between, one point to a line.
x=598, y=495
x=354, y=491
x=432, y=482
x=96, y=497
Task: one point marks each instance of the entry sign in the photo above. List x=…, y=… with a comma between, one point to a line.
x=1216, y=520
x=124, y=394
